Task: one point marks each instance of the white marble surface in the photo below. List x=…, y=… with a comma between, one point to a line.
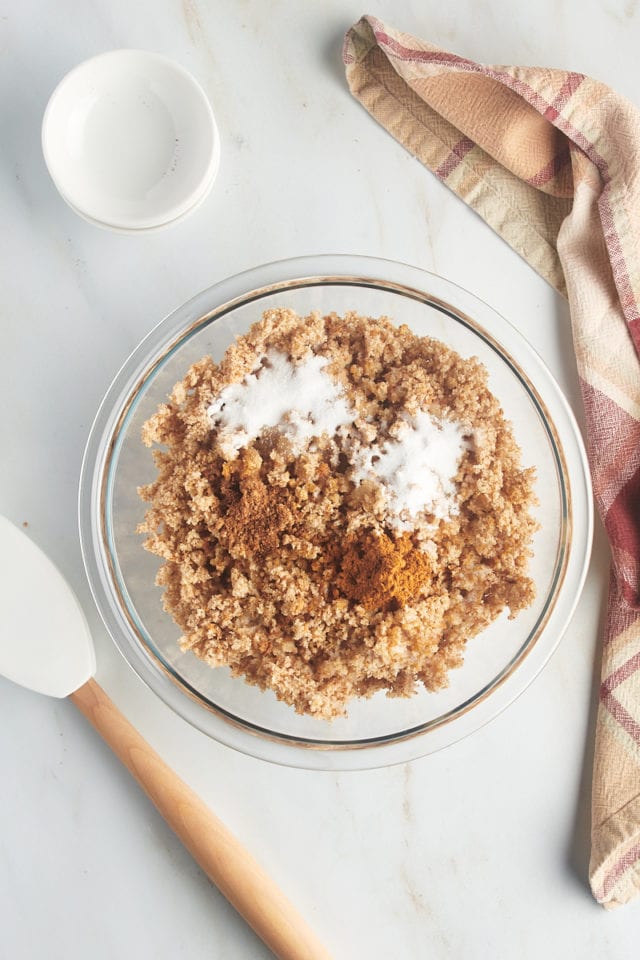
x=479, y=851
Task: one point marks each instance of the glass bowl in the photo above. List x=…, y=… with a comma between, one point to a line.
x=499, y=663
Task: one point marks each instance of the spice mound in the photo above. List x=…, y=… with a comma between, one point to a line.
x=339, y=507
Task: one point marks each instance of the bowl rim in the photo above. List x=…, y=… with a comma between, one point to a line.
x=243, y=735
x=131, y=224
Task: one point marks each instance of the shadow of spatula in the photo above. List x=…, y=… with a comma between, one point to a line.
x=45, y=645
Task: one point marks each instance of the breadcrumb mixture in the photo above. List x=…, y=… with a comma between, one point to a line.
x=285, y=565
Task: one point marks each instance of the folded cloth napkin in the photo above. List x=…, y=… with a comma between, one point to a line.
x=551, y=161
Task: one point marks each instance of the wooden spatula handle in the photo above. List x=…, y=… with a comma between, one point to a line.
x=225, y=861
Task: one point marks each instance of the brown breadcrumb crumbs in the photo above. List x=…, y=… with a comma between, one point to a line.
x=278, y=564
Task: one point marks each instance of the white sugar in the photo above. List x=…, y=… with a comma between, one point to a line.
x=417, y=468
x=300, y=399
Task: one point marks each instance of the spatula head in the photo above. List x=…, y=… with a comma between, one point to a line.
x=45, y=642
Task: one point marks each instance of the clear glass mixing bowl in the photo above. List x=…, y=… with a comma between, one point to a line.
x=499, y=663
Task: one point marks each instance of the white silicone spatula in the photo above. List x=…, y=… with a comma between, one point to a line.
x=45, y=645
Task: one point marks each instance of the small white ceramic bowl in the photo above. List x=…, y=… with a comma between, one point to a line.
x=130, y=140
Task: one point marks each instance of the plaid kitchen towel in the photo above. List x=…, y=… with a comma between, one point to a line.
x=551, y=161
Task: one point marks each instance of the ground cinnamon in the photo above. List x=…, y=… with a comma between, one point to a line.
x=381, y=573
x=256, y=518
